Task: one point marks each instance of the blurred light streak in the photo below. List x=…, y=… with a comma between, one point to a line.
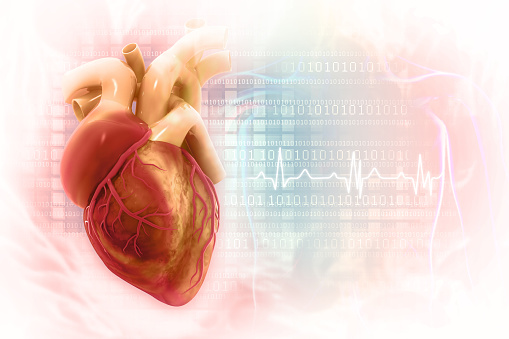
x=479, y=142
x=436, y=73
x=443, y=150
x=357, y=308
x=486, y=178
x=460, y=215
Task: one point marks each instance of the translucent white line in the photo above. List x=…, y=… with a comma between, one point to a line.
x=355, y=175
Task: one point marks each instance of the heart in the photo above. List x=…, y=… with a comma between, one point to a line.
x=146, y=179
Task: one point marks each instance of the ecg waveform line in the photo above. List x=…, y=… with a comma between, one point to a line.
x=355, y=176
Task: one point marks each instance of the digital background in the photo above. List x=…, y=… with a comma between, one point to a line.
x=365, y=146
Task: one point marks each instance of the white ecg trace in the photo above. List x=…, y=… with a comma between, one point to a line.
x=355, y=176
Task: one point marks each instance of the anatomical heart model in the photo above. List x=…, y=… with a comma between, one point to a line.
x=146, y=178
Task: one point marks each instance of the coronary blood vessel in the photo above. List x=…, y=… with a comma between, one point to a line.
x=146, y=179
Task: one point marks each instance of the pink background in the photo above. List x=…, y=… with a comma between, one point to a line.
x=54, y=285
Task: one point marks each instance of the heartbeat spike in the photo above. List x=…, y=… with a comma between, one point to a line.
x=355, y=176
